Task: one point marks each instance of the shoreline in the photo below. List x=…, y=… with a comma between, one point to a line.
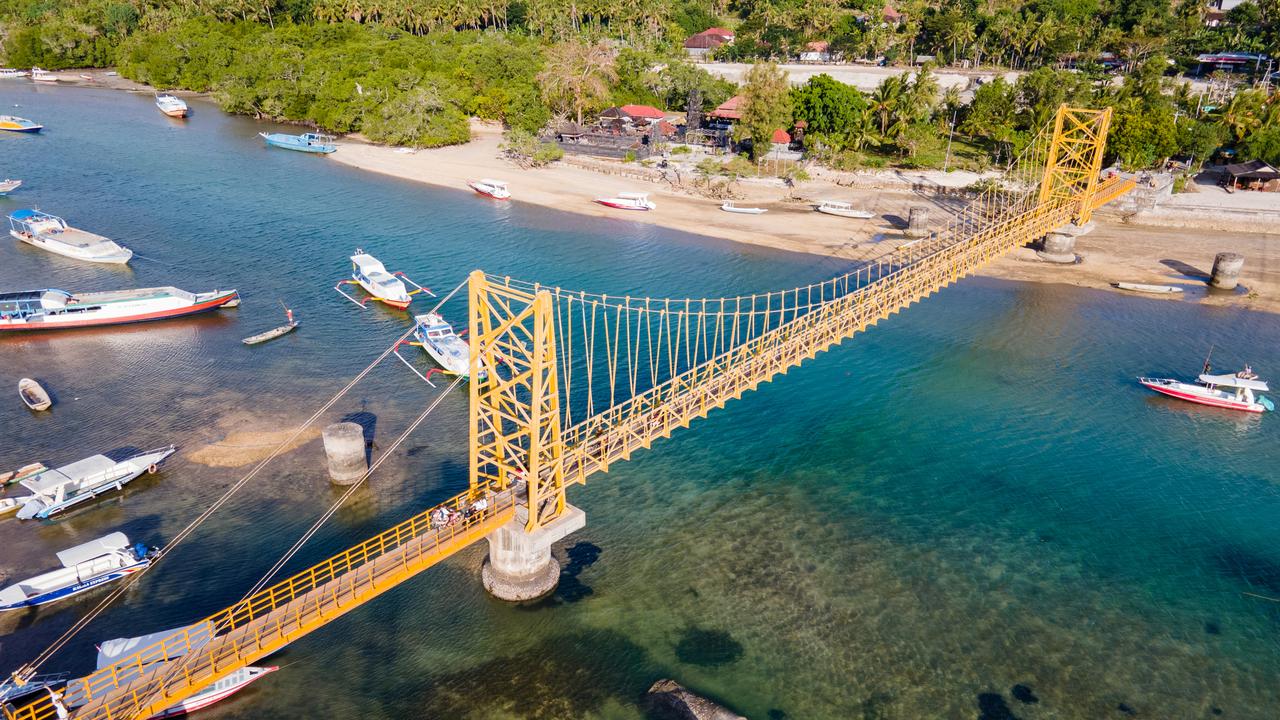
x=1160, y=247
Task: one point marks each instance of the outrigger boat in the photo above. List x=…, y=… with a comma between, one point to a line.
x=628, y=201
x=1233, y=392
x=34, y=395
x=51, y=233
x=172, y=106
x=81, y=481
x=184, y=639
x=59, y=309
x=306, y=142
x=17, y=124
x=387, y=288
x=7, y=186
x=841, y=208
x=496, y=189
x=84, y=567
x=436, y=336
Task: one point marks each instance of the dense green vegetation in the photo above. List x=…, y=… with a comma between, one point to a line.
x=413, y=72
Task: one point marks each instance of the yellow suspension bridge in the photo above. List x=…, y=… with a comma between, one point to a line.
x=566, y=383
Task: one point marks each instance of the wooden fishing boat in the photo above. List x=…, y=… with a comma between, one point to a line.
x=496, y=189
x=729, y=206
x=58, y=309
x=306, y=142
x=34, y=395
x=274, y=333
x=84, y=567
x=25, y=471
x=7, y=186
x=387, y=288
x=1144, y=288
x=52, y=233
x=44, y=76
x=13, y=123
x=844, y=209
x=628, y=201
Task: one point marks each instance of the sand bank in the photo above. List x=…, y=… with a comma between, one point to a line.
x=1115, y=252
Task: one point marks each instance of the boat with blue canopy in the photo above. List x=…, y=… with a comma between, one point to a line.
x=52, y=233
x=306, y=142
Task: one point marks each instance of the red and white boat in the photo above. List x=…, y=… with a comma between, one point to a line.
x=1233, y=392
x=112, y=652
x=629, y=201
x=496, y=189
x=59, y=309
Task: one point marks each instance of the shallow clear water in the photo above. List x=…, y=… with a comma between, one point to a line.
x=972, y=496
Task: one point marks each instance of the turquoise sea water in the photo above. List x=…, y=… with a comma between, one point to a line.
x=972, y=496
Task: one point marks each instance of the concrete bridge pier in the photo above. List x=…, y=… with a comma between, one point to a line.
x=1060, y=245
x=520, y=566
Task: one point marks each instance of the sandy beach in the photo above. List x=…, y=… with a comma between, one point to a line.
x=1117, y=251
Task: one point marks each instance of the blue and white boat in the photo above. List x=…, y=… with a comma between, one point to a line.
x=84, y=567
x=12, y=123
x=306, y=142
x=52, y=233
x=437, y=338
x=53, y=491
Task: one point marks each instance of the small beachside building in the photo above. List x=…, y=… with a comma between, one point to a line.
x=818, y=51
x=699, y=44
x=1253, y=175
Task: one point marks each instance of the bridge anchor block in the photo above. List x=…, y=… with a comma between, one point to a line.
x=520, y=566
x=1060, y=245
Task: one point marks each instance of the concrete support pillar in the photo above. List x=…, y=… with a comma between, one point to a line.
x=918, y=221
x=344, y=446
x=1226, y=270
x=520, y=566
x=1060, y=245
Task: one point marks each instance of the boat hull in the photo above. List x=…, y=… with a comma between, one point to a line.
x=143, y=464
x=397, y=303
x=623, y=205
x=1195, y=394
x=22, y=129
x=205, y=698
x=116, y=258
x=65, y=322
x=851, y=214
x=289, y=142
x=489, y=193
x=76, y=589
x=175, y=113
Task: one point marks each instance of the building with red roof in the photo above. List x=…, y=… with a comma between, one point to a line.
x=730, y=109
x=647, y=112
x=780, y=137
x=699, y=44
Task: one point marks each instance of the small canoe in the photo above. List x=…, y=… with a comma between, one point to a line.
x=1144, y=288
x=25, y=471
x=271, y=334
x=33, y=394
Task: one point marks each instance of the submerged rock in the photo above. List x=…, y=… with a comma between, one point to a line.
x=669, y=700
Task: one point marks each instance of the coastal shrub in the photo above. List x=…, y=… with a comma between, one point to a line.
x=523, y=148
x=630, y=157
x=681, y=150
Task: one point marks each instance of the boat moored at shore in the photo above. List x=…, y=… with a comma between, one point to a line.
x=11, y=73
x=56, y=490
x=1233, y=392
x=840, y=208
x=84, y=567
x=52, y=233
x=496, y=189
x=306, y=142
x=172, y=106
x=730, y=207
x=59, y=309
x=44, y=76
x=628, y=201
x=13, y=123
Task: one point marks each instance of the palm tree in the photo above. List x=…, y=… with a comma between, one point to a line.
x=577, y=75
x=885, y=100
x=862, y=131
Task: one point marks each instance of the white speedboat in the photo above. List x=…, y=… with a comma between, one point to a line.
x=628, y=201
x=496, y=189
x=7, y=186
x=51, y=233
x=172, y=106
x=1233, y=392
x=437, y=338
x=841, y=208
x=184, y=640
x=43, y=76
x=729, y=206
x=8, y=73
x=387, y=288
x=61, y=488
x=84, y=567
x=59, y=309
